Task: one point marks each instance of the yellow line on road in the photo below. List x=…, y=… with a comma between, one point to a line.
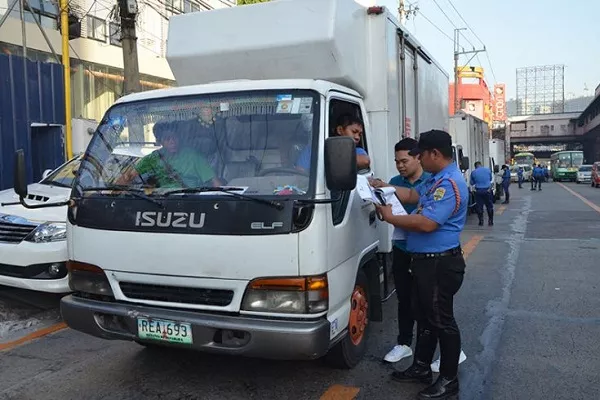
x=339, y=392
x=32, y=336
x=470, y=246
x=500, y=210
x=580, y=197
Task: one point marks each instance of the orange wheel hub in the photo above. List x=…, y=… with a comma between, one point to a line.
x=358, y=315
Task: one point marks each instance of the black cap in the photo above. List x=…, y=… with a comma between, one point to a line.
x=433, y=139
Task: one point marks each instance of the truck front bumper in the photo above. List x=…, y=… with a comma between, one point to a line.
x=254, y=337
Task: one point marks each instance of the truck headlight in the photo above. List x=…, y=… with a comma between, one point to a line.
x=88, y=278
x=48, y=232
x=305, y=295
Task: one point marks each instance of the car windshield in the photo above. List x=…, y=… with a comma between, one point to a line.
x=64, y=175
x=585, y=168
x=253, y=142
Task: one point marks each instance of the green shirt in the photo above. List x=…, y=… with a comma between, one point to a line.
x=170, y=170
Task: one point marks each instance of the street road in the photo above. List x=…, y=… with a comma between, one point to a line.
x=529, y=312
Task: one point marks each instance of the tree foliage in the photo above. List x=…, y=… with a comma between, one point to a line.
x=242, y=2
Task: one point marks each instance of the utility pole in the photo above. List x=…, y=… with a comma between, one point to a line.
x=457, y=53
x=128, y=10
x=66, y=61
x=405, y=13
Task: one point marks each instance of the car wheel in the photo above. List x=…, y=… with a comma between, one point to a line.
x=351, y=349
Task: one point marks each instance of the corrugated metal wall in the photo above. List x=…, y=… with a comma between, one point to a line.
x=41, y=103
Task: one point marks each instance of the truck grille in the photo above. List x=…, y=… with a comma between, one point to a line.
x=14, y=233
x=177, y=294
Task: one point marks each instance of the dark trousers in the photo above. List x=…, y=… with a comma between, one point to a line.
x=538, y=182
x=403, y=280
x=505, y=186
x=520, y=182
x=483, y=197
x=436, y=281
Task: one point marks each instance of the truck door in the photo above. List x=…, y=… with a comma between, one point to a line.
x=354, y=222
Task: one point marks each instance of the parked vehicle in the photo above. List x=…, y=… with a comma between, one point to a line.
x=565, y=164
x=595, y=176
x=262, y=259
x=527, y=172
x=584, y=174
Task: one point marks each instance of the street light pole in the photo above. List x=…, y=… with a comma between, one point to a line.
x=66, y=61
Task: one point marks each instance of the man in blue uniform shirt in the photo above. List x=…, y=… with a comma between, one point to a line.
x=433, y=239
x=481, y=180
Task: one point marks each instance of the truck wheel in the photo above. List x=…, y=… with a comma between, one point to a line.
x=351, y=349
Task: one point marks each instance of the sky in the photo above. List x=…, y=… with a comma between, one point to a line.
x=516, y=33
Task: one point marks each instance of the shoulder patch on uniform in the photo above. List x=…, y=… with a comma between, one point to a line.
x=439, y=194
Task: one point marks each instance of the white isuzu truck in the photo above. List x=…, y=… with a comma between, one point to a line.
x=216, y=239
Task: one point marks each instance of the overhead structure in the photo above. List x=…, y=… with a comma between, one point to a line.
x=541, y=90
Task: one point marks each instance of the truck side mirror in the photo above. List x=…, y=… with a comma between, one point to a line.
x=20, y=177
x=46, y=173
x=340, y=163
x=496, y=169
x=464, y=163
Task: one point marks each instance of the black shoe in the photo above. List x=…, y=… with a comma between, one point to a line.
x=442, y=389
x=417, y=372
x=481, y=222
x=505, y=202
x=491, y=222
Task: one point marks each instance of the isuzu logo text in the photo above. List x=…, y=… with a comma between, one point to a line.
x=169, y=219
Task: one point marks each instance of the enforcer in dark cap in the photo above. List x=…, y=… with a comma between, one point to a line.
x=434, y=139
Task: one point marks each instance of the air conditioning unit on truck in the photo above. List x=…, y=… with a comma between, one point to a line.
x=247, y=254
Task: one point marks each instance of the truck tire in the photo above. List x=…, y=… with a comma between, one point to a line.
x=349, y=351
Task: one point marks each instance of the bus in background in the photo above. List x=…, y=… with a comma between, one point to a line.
x=524, y=158
x=565, y=164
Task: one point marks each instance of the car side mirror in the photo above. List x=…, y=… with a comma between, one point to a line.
x=46, y=173
x=340, y=163
x=496, y=169
x=464, y=163
x=20, y=177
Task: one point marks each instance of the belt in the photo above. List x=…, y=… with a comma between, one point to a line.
x=448, y=253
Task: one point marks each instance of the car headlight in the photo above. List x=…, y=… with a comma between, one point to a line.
x=305, y=295
x=88, y=278
x=48, y=232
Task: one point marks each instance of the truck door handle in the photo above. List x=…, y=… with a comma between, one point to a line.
x=372, y=217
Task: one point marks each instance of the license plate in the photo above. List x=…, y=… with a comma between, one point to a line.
x=164, y=330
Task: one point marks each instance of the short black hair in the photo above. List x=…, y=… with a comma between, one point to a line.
x=406, y=144
x=348, y=119
x=477, y=163
x=161, y=128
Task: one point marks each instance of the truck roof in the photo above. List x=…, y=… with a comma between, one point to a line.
x=238, y=85
x=284, y=39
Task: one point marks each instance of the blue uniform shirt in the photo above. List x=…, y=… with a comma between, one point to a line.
x=400, y=181
x=506, y=176
x=481, y=178
x=443, y=199
x=304, y=157
x=538, y=172
x=520, y=173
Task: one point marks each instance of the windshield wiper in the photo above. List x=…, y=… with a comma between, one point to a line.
x=134, y=192
x=229, y=190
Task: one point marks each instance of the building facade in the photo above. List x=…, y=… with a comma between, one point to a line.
x=96, y=55
x=474, y=96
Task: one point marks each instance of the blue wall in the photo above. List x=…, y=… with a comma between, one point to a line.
x=45, y=98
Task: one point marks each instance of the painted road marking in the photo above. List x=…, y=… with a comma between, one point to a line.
x=580, y=197
x=471, y=245
x=339, y=392
x=500, y=210
x=32, y=336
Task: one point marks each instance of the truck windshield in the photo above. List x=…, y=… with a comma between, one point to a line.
x=248, y=142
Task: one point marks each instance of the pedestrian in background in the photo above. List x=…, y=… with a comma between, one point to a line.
x=433, y=239
x=506, y=183
x=481, y=180
x=520, y=177
x=538, y=173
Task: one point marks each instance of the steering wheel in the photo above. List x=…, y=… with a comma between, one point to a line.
x=292, y=171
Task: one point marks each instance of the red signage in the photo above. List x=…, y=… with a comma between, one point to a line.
x=500, y=102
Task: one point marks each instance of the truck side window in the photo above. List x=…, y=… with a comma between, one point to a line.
x=345, y=118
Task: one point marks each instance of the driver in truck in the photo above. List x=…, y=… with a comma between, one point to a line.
x=349, y=126
x=172, y=166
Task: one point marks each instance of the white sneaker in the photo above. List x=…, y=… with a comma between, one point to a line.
x=398, y=353
x=435, y=366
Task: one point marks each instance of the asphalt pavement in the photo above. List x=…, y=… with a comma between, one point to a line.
x=528, y=310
